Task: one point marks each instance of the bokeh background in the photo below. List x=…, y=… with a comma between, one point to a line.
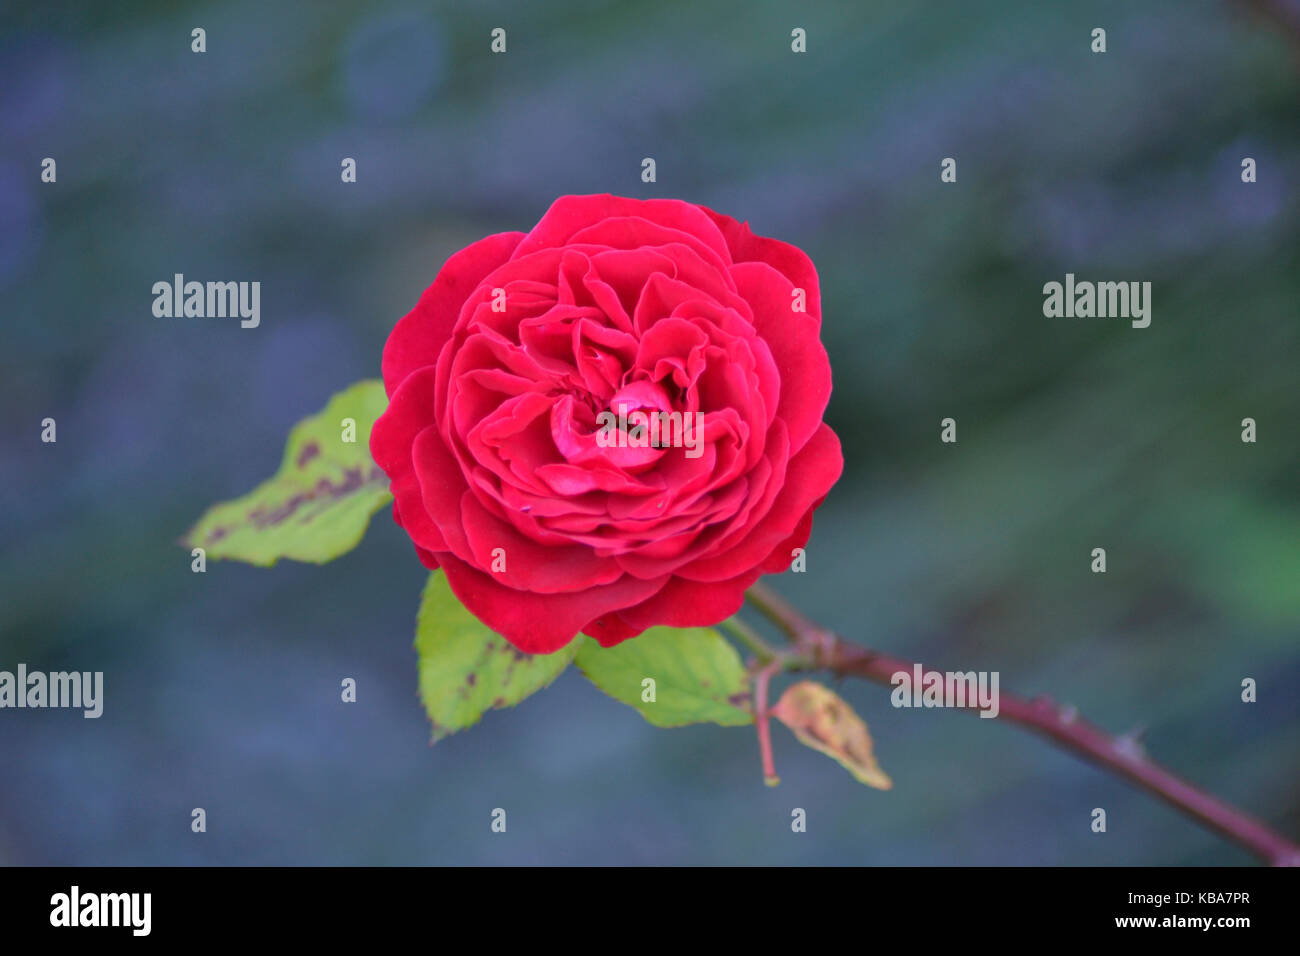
x=222, y=688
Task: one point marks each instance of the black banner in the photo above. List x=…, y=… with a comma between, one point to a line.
x=944, y=905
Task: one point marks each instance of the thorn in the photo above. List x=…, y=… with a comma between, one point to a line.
x=1130, y=744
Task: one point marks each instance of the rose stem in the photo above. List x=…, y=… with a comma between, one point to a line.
x=746, y=635
x=774, y=662
x=761, y=681
x=1121, y=755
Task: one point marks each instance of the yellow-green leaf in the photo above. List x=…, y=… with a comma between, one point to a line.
x=697, y=676
x=821, y=719
x=467, y=669
x=317, y=506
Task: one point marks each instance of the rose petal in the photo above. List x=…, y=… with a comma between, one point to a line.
x=418, y=336
x=538, y=623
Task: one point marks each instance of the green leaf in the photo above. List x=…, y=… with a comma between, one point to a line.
x=319, y=503
x=824, y=721
x=698, y=676
x=467, y=669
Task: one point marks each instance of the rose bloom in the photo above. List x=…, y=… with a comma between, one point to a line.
x=546, y=526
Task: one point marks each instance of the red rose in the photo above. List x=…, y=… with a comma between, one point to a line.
x=498, y=379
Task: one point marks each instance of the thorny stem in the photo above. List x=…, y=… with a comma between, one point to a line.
x=1063, y=725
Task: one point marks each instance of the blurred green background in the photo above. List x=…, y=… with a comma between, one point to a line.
x=222, y=689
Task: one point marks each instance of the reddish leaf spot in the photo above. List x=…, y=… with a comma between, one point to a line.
x=308, y=452
x=324, y=489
